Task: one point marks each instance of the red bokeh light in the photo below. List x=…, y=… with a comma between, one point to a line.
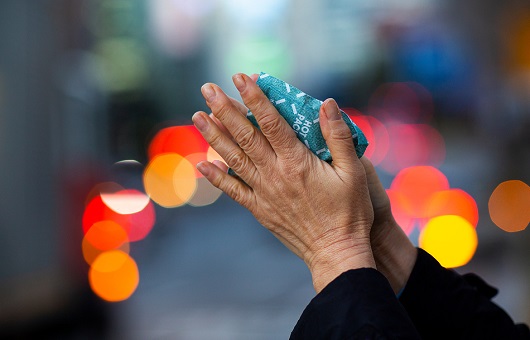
x=183, y=140
x=136, y=225
x=417, y=185
x=400, y=210
x=412, y=145
x=375, y=133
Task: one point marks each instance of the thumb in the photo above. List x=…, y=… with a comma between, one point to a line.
x=338, y=137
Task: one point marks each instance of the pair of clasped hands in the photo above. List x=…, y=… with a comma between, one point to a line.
x=336, y=217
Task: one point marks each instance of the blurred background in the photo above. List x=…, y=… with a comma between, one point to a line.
x=106, y=229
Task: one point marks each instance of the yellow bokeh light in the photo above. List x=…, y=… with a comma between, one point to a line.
x=169, y=180
x=114, y=276
x=509, y=206
x=450, y=239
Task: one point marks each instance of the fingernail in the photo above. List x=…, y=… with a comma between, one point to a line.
x=332, y=109
x=199, y=121
x=203, y=169
x=208, y=92
x=239, y=82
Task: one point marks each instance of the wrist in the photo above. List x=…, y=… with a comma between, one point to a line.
x=394, y=254
x=330, y=262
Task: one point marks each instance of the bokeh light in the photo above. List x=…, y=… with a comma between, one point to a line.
x=509, y=205
x=205, y=194
x=453, y=202
x=123, y=201
x=97, y=211
x=417, y=185
x=176, y=24
x=90, y=252
x=137, y=225
x=183, y=140
x=169, y=180
x=104, y=236
x=123, y=64
x=450, y=239
x=412, y=145
x=400, y=210
x=196, y=158
x=141, y=223
x=114, y=276
x=375, y=133
x=213, y=155
x=406, y=102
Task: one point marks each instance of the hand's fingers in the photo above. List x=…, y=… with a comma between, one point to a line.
x=234, y=156
x=246, y=135
x=233, y=187
x=280, y=135
x=338, y=137
x=241, y=108
x=220, y=165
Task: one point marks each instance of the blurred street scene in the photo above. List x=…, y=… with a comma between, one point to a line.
x=108, y=231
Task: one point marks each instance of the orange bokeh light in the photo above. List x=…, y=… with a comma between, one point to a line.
x=453, y=202
x=509, y=206
x=196, y=158
x=114, y=276
x=417, y=185
x=183, y=140
x=90, y=252
x=106, y=235
x=212, y=155
x=169, y=180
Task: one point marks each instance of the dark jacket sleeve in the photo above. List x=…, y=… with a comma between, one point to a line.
x=359, y=304
x=445, y=305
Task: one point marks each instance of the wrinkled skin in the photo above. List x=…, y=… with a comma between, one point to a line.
x=322, y=212
x=305, y=202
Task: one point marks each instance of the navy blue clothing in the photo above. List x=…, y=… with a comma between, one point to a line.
x=359, y=304
x=445, y=305
x=436, y=303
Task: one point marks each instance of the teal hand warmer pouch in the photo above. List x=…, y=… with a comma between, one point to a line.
x=301, y=112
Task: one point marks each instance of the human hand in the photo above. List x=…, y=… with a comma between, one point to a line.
x=305, y=202
x=394, y=254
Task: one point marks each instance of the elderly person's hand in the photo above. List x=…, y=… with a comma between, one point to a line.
x=321, y=211
x=394, y=254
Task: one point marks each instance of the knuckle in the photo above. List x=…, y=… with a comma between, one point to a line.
x=270, y=123
x=215, y=139
x=256, y=101
x=222, y=109
x=237, y=160
x=237, y=195
x=246, y=137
